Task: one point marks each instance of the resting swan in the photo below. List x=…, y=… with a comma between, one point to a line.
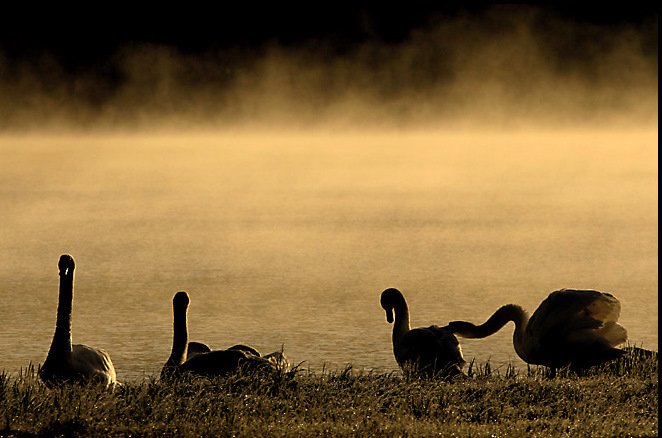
x=278, y=358
x=209, y=363
x=431, y=350
x=576, y=328
x=67, y=362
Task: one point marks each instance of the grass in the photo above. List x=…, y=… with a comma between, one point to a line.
x=617, y=400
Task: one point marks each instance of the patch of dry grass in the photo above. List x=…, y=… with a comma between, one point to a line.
x=618, y=400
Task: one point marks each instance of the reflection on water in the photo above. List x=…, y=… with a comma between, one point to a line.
x=288, y=240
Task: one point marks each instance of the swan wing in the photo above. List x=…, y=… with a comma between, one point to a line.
x=568, y=310
x=246, y=349
x=574, y=326
x=93, y=364
x=604, y=308
x=195, y=348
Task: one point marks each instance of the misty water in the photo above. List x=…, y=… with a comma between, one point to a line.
x=287, y=240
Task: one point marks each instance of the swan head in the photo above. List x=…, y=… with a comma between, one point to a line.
x=66, y=264
x=391, y=298
x=181, y=300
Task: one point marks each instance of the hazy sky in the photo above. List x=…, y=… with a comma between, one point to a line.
x=443, y=66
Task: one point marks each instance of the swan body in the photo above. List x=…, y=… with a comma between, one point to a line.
x=277, y=358
x=73, y=362
x=200, y=359
x=576, y=328
x=429, y=350
x=224, y=362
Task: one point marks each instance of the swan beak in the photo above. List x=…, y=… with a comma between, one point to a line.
x=389, y=316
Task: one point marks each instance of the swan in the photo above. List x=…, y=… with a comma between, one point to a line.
x=278, y=358
x=201, y=360
x=77, y=362
x=430, y=350
x=575, y=328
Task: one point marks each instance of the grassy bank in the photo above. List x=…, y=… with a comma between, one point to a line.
x=619, y=400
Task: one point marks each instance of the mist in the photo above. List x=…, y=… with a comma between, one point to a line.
x=505, y=67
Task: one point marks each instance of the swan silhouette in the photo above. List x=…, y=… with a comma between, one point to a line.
x=201, y=360
x=428, y=351
x=278, y=358
x=77, y=362
x=574, y=328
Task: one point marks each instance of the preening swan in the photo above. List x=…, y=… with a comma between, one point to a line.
x=576, y=328
x=67, y=362
x=207, y=363
x=430, y=351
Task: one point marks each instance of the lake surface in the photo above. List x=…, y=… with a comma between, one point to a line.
x=287, y=240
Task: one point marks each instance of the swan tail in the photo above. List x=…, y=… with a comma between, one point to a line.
x=279, y=359
x=613, y=332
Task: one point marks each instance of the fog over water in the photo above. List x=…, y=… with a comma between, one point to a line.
x=479, y=161
x=505, y=67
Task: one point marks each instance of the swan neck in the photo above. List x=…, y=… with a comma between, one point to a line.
x=61, y=345
x=180, y=338
x=520, y=341
x=505, y=314
x=401, y=321
x=519, y=316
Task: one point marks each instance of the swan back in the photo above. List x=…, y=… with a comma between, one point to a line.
x=245, y=348
x=430, y=351
x=93, y=364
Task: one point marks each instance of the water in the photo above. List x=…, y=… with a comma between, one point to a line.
x=288, y=240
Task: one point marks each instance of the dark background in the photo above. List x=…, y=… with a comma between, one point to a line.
x=80, y=36
x=108, y=63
